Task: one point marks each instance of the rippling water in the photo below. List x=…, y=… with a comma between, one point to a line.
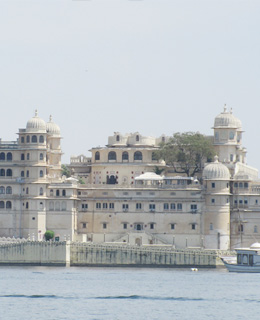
x=111, y=294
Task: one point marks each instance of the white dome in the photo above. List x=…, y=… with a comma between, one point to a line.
x=255, y=245
x=36, y=124
x=227, y=120
x=52, y=128
x=216, y=171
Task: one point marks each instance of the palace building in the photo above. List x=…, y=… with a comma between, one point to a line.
x=116, y=196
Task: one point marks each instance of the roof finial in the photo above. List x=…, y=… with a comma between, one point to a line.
x=215, y=158
x=50, y=119
x=231, y=110
x=36, y=113
x=225, y=107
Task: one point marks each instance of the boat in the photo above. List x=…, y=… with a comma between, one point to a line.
x=247, y=259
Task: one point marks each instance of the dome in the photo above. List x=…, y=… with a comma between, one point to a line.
x=35, y=124
x=227, y=120
x=216, y=171
x=255, y=245
x=52, y=128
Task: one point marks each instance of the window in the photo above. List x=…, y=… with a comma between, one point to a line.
x=179, y=206
x=41, y=206
x=104, y=205
x=231, y=158
x=117, y=138
x=41, y=139
x=138, y=155
x=2, y=172
x=22, y=173
x=63, y=206
x=84, y=225
x=2, y=190
x=212, y=201
x=41, y=173
x=104, y=225
x=245, y=185
x=64, y=193
x=193, y=226
x=137, y=138
x=111, y=205
x=154, y=158
x=41, y=192
x=151, y=225
x=22, y=156
x=240, y=185
x=9, y=172
x=2, y=156
x=112, y=156
x=27, y=205
x=152, y=207
x=124, y=225
x=241, y=228
x=9, y=156
x=84, y=206
x=166, y=206
x=27, y=190
x=172, y=206
x=216, y=136
x=34, y=139
x=256, y=201
x=255, y=229
x=125, y=156
x=2, y=204
x=138, y=206
x=211, y=226
x=57, y=193
x=193, y=207
x=28, y=156
x=213, y=185
x=27, y=173
x=97, y=155
x=98, y=205
x=22, y=139
x=235, y=184
x=172, y=226
x=231, y=135
x=125, y=207
x=8, y=190
x=28, y=139
x=41, y=156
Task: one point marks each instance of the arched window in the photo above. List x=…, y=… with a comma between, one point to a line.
x=118, y=137
x=9, y=172
x=22, y=139
x=2, y=204
x=27, y=139
x=41, y=192
x=97, y=155
x=27, y=205
x=41, y=156
x=8, y=190
x=27, y=190
x=2, y=190
x=34, y=139
x=28, y=156
x=2, y=172
x=137, y=138
x=9, y=156
x=111, y=155
x=57, y=206
x=64, y=193
x=27, y=173
x=51, y=192
x=51, y=205
x=41, y=139
x=22, y=173
x=2, y=156
x=57, y=193
x=41, y=173
x=138, y=155
x=125, y=156
x=22, y=156
x=8, y=205
x=63, y=206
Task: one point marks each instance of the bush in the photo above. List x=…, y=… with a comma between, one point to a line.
x=49, y=235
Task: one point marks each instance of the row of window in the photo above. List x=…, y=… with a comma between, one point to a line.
x=241, y=185
x=58, y=206
x=125, y=156
x=5, y=205
x=241, y=228
x=33, y=139
x=41, y=156
x=58, y=193
x=8, y=156
x=7, y=190
x=40, y=191
x=41, y=174
x=8, y=173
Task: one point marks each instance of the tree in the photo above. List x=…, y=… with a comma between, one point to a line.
x=157, y=170
x=49, y=235
x=186, y=152
x=65, y=171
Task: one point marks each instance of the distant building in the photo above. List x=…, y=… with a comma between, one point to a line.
x=122, y=198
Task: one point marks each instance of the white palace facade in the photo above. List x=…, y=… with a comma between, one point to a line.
x=116, y=196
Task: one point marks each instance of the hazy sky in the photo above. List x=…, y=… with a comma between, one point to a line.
x=153, y=66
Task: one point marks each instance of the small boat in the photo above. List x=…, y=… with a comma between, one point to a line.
x=247, y=259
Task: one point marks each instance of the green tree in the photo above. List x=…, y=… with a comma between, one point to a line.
x=65, y=171
x=157, y=170
x=186, y=152
x=49, y=234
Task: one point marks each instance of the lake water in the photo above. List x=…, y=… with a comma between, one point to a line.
x=123, y=293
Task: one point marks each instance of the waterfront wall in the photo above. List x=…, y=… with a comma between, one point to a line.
x=35, y=253
x=84, y=254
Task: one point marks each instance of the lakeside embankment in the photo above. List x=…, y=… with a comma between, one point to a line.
x=68, y=253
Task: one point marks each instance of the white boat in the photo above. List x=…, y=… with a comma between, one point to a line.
x=247, y=259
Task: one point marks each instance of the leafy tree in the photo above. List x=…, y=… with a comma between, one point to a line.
x=185, y=152
x=65, y=171
x=157, y=170
x=49, y=234
x=81, y=181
